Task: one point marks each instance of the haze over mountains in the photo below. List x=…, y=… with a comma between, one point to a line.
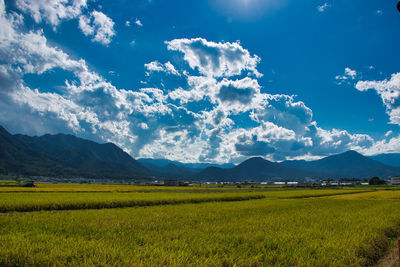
x=69, y=156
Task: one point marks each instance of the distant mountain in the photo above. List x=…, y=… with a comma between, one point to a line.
x=257, y=169
x=175, y=169
x=164, y=162
x=171, y=171
x=65, y=156
x=392, y=159
x=346, y=165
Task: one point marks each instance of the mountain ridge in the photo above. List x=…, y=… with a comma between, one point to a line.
x=349, y=164
x=64, y=155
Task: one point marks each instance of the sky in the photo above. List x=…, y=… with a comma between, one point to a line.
x=207, y=80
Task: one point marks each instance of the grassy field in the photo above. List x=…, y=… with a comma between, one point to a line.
x=35, y=201
x=47, y=187
x=376, y=195
x=285, y=227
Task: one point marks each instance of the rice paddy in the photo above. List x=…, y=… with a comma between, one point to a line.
x=262, y=227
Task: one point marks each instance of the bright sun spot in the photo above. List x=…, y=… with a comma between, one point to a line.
x=247, y=9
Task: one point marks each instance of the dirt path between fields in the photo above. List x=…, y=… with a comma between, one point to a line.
x=391, y=258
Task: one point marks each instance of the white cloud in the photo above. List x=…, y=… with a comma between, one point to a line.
x=323, y=7
x=389, y=91
x=132, y=43
x=216, y=59
x=127, y=23
x=232, y=120
x=383, y=146
x=156, y=66
x=349, y=74
x=388, y=133
x=97, y=25
x=52, y=11
x=84, y=25
x=144, y=126
x=138, y=22
x=379, y=12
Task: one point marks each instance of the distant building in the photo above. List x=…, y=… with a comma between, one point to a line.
x=395, y=180
x=171, y=182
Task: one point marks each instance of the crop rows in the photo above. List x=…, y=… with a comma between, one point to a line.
x=97, y=200
x=25, y=202
x=264, y=232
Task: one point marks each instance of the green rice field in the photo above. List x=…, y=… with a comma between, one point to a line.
x=196, y=226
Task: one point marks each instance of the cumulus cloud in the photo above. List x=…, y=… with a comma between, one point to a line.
x=159, y=67
x=216, y=59
x=97, y=25
x=389, y=91
x=217, y=115
x=235, y=92
x=349, y=74
x=52, y=11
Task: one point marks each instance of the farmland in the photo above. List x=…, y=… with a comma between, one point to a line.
x=196, y=226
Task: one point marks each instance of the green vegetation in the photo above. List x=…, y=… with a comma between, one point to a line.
x=284, y=227
x=35, y=201
x=73, y=201
x=376, y=181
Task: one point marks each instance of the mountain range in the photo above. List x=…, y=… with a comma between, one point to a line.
x=64, y=155
x=68, y=156
x=348, y=165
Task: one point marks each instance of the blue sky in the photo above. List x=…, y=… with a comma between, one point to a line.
x=205, y=81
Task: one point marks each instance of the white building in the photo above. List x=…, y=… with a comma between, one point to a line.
x=395, y=180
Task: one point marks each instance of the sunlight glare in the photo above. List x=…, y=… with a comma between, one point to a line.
x=247, y=9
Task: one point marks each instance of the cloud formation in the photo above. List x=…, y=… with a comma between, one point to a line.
x=216, y=59
x=52, y=11
x=97, y=25
x=348, y=75
x=389, y=91
x=159, y=67
x=220, y=113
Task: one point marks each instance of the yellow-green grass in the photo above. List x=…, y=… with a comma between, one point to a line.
x=28, y=201
x=376, y=195
x=47, y=187
x=71, y=201
x=284, y=232
x=71, y=187
x=309, y=193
